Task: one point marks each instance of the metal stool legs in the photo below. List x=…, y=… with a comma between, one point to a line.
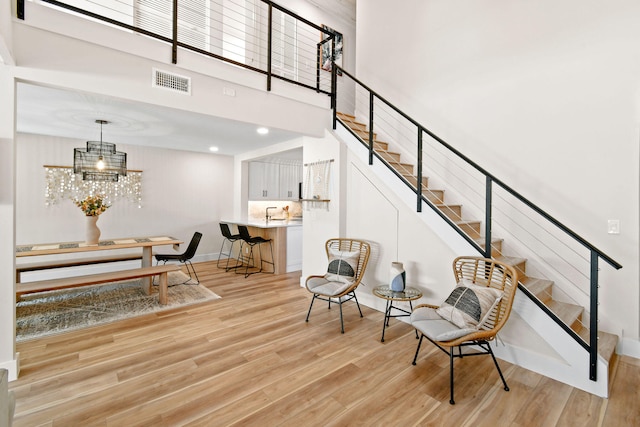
x=248, y=260
x=231, y=238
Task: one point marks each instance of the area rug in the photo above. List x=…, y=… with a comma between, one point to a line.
x=52, y=312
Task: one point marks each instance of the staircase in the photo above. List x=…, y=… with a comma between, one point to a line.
x=541, y=288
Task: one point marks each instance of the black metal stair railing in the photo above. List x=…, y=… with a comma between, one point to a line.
x=303, y=46
x=367, y=112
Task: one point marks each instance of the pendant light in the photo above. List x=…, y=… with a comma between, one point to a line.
x=99, y=161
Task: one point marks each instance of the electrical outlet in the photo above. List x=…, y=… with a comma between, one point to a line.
x=613, y=226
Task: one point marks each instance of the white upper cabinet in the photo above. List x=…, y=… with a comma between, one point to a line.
x=274, y=181
x=290, y=178
x=264, y=181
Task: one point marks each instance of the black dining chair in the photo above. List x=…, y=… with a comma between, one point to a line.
x=184, y=257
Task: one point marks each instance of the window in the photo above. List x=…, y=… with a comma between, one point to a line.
x=193, y=20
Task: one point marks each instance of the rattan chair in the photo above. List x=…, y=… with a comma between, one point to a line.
x=348, y=260
x=447, y=336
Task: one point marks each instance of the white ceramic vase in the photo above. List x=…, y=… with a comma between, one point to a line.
x=92, y=235
x=398, y=277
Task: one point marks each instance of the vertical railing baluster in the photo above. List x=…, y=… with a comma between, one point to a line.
x=20, y=9
x=371, y=127
x=487, y=218
x=318, y=64
x=334, y=94
x=419, y=171
x=593, y=319
x=269, y=45
x=174, y=44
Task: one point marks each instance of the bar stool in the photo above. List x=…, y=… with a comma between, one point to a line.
x=249, y=260
x=231, y=238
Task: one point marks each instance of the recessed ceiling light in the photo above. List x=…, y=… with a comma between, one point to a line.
x=262, y=131
x=214, y=149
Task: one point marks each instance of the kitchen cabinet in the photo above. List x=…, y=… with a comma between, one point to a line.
x=294, y=249
x=274, y=181
x=264, y=181
x=290, y=178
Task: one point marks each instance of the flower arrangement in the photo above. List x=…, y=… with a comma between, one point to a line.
x=92, y=205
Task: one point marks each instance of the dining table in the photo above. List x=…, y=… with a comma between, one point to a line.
x=146, y=244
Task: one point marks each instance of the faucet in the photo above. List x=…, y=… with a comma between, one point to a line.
x=267, y=216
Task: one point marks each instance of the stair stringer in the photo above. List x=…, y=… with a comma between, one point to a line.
x=547, y=350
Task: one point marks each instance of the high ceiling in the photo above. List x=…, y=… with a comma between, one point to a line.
x=50, y=111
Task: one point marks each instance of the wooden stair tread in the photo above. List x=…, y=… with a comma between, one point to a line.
x=567, y=312
x=496, y=245
x=516, y=262
x=541, y=288
x=606, y=342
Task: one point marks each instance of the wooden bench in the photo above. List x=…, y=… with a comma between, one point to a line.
x=95, y=279
x=37, y=266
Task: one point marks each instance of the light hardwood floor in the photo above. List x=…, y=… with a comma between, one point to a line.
x=249, y=359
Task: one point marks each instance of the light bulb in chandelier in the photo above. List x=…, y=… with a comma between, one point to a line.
x=100, y=163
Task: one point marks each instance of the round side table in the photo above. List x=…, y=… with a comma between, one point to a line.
x=409, y=294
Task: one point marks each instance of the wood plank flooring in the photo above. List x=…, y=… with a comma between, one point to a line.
x=250, y=359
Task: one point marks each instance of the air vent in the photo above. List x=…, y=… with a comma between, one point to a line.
x=174, y=82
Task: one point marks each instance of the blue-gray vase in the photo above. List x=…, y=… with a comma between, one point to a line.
x=398, y=277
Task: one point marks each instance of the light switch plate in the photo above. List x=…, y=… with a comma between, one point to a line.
x=613, y=226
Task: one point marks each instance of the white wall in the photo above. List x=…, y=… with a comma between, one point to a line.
x=363, y=207
x=542, y=94
x=182, y=192
x=8, y=358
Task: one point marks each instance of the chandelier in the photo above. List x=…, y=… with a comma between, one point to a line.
x=99, y=161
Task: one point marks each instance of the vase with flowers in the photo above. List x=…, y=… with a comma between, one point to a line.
x=92, y=206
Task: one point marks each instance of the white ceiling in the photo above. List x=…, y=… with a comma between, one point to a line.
x=63, y=113
x=49, y=111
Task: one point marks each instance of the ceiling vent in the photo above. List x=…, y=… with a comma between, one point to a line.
x=174, y=82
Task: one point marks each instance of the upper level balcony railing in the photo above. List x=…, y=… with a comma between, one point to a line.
x=258, y=35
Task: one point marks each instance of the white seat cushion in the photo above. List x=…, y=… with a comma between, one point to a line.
x=322, y=286
x=432, y=325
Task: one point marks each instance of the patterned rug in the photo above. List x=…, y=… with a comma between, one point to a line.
x=52, y=312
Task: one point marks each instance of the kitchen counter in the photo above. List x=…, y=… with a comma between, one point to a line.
x=272, y=223
x=278, y=231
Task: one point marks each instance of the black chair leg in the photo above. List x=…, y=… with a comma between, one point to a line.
x=357, y=303
x=188, y=264
x=417, y=350
x=451, y=401
x=310, y=306
x=495, y=362
x=341, y=321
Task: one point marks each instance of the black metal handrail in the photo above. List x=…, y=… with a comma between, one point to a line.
x=175, y=43
x=595, y=253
